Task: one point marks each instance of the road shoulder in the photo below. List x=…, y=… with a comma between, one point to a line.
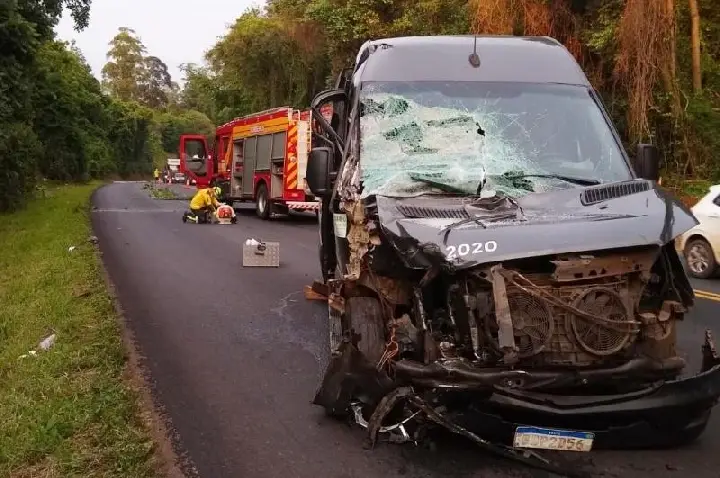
x=74, y=399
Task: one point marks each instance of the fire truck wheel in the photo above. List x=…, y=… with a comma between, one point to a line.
x=263, y=207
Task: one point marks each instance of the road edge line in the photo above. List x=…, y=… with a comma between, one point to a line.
x=172, y=463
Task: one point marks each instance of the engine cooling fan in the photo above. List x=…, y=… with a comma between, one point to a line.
x=601, y=338
x=533, y=323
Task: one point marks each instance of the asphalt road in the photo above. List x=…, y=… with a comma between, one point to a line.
x=234, y=353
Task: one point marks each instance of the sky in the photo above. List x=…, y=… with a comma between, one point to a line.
x=176, y=31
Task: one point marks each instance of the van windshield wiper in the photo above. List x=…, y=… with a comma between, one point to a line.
x=569, y=179
x=447, y=188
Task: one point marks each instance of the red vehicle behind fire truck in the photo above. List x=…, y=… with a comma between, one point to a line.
x=259, y=157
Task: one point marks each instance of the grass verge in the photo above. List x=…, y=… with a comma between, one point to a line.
x=66, y=411
x=688, y=191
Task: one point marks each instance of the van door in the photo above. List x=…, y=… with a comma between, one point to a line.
x=194, y=158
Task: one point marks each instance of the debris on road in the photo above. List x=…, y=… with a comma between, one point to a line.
x=261, y=254
x=316, y=291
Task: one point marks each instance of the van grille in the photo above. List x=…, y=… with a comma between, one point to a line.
x=418, y=212
x=599, y=194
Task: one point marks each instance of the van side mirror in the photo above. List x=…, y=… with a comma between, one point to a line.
x=647, y=162
x=317, y=173
x=328, y=96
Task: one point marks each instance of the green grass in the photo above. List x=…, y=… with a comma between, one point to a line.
x=696, y=189
x=66, y=412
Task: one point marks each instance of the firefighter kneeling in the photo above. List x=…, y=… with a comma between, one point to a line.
x=202, y=205
x=205, y=203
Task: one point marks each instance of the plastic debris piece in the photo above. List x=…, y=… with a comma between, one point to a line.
x=47, y=342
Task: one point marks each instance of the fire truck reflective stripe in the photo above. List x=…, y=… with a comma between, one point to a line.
x=302, y=149
x=304, y=206
x=291, y=178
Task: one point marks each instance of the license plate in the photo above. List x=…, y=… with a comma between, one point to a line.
x=551, y=439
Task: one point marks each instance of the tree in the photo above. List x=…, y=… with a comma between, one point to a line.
x=200, y=91
x=695, y=42
x=130, y=75
x=155, y=83
x=69, y=116
x=23, y=30
x=123, y=72
x=261, y=64
x=171, y=126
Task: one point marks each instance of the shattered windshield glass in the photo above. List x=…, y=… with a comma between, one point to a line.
x=482, y=138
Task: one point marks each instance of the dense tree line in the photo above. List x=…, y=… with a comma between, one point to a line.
x=656, y=62
x=58, y=122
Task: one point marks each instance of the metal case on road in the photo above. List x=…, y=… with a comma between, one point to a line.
x=265, y=254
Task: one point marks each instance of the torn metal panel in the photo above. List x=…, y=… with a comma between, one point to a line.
x=358, y=237
x=597, y=266
x=711, y=358
x=526, y=457
x=506, y=337
x=398, y=433
x=348, y=375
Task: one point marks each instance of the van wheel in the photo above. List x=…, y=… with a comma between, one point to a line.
x=263, y=207
x=700, y=259
x=364, y=317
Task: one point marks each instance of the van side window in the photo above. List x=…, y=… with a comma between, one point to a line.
x=716, y=201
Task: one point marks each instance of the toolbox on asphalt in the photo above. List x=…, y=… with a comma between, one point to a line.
x=261, y=254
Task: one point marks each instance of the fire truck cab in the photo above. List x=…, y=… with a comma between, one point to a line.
x=259, y=157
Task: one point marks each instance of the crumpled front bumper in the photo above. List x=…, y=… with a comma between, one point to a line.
x=668, y=414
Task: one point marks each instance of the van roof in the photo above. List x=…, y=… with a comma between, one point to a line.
x=445, y=58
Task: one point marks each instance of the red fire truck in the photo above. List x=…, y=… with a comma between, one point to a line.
x=259, y=157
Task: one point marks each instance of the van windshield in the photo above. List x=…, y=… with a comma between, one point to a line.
x=439, y=137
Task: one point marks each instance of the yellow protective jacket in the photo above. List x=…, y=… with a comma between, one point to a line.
x=203, y=199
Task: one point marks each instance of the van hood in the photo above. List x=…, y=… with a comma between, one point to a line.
x=473, y=231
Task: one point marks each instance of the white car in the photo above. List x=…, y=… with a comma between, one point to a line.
x=700, y=245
